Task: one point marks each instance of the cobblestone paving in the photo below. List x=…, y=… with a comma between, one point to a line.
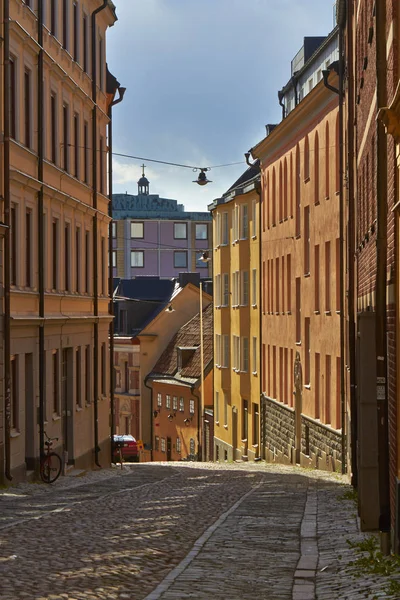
x=183, y=530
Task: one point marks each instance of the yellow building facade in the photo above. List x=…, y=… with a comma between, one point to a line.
x=56, y=205
x=236, y=231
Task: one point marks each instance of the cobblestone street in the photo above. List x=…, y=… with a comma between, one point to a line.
x=183, y=530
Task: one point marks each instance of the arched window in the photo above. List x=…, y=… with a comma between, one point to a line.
x=273, y=197
x=280, y=193
x=291, y=184
x=327, y=154
x=337, y=157
x=306, y=158
x=285, y=190
x=316, y=169
x=267, y=207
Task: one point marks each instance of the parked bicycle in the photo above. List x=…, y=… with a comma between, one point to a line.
x=51, y=463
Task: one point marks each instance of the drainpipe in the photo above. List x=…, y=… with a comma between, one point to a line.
x=380, y=289
x=280, y=100
x=95, y=234
x=42, y=353
x=199, y=416
x=110, y=270
x=151, y=417
x=7, y=247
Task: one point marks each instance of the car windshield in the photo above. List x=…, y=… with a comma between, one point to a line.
x=124, y=438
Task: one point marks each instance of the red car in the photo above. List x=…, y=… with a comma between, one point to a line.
x=128, y=446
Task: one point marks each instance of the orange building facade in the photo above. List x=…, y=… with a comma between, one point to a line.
x=301, y=293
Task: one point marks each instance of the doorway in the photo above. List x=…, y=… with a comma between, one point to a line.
x=169, y=449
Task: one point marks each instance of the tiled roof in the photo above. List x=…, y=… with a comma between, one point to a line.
x=188, y=337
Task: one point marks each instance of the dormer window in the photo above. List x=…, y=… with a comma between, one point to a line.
x=184, y=354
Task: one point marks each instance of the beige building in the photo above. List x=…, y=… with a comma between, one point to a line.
x=56, y=194
x=236, y=219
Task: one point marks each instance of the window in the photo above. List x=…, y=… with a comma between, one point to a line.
x=217, y=229
x=67, y=256
x=201, y=231
x=191, y=406
x=76, y=32
x=159, y=400
x=56, y=382
x=85, y=43
x=86, y=151
x=216, y=404
x=236, y=287
x=103, y=370
x=162, y=444
x=254, y=368
x=137, y=258
x=236, y=353
x=78, y=378
x=88, y=375
x=14, y=393
x=225, y=409
x=225, y=351
x=307, y=240
x=87, y=263
x=244, y=222
x=103, y=266
x=65, y=151
x=327, y=389
x=180, y=231
x=245, y=288
x=245, y=420
x=53, y=17
x=157, y=443
x=78, y=259
x=298, y=198
x=245, y=355
x=28, y=248
x=254, y=218
x=180, y=259
x=13, y=99
x=54, y=244
x=289, y=282
x=113, y=229
x=178, y=445
x=200, y=263
x=316, y=278
x=217, y=349
x=27, y=108
x=13, y=244
x=175, y=403
x=181, y=404
x=306, y=158
x=307, y=333
x=254, y=287
x=65, y=24
x=327, y=276
x=256, y=423
x=192, y=447
x=337, y=275
x=225, y=231
x=298, y=310
x=101, y=169
x=101, y=60
x=225, y=289
x=317, y=380
x=235, y=223
x=316, y=169
x=76, y=145
x=126, y=376
x=168, y=401
x=53, y=127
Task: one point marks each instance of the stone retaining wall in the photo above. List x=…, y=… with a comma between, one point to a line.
x=278, y=431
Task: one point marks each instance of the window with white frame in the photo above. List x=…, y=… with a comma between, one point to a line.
x=181, y=404
x=235, y=223
x=245, y=288
x=180, y=231
x=218, y=290
x=217, y=229
x=225, y=351
x=216, y=402
x=236, y=288
x=254, y=218
x=225, y=289
x=191, y=406
x=137, y=258
x=114, y=258
x=175, y=403
x=254, y=368
x=217, y=350
x=225, y=409
x=137, y=230
x=168, y=401
x=244, y=222
x=178, y=445
x=245, y=355
x=162, y=444
x=236, y=353
x=254, y=287
x=225, y=230
x=201, y=231
x=114, y=229
x=159, y=400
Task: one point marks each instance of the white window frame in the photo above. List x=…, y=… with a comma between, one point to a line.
x=181, y=404
x=162, y=444
x=225, y=289
x=191, y=406
x=135, y=224
x=225, y=351
x=138, y=253
x=254, y=219
x=159, y=399
x=244, y=355
x=244, y=300
x=217, y=350
x=206, y=228
x=168, y=401
x=224, y=229
x=244, y=221
x=225, y=410
x=254, y=287
x=254, y=364
x=175, y=403
x=178, y=445
x=180, y=237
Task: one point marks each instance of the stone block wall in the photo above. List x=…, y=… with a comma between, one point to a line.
x=278, y=431
x=321, y=446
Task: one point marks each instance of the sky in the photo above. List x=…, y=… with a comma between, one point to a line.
x=202, y=80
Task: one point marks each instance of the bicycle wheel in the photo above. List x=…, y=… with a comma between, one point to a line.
x=50, y=467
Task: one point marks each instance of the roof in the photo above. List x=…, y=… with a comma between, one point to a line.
x=248, y=175
x=146, y=288
x=188, y=337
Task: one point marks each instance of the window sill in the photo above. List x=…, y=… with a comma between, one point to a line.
x=298, y=236
x=15, y=433
x=337, y=312
x=328, y=313
x=307, y=179
x=317, y=312
x=78, y=408
x=56, y=417
x=254, y=373
x=317, y=203
x=254, y=305
x=289, y=312
x=307, y=386
x=327, y=197
x=253, y=237
x=225, y=426
x=216, y=422
x=307, y=274
x=298, y=343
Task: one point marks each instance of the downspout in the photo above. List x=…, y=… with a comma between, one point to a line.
x=110, y=272
x=7, y=246
x=381, y=266
x=95, y=249
x=351, y=246
x=41, y=233
x=199, y=413
x=151, y=417
x=280, y=100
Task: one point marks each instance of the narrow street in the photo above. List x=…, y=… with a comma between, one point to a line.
x=181, y=531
